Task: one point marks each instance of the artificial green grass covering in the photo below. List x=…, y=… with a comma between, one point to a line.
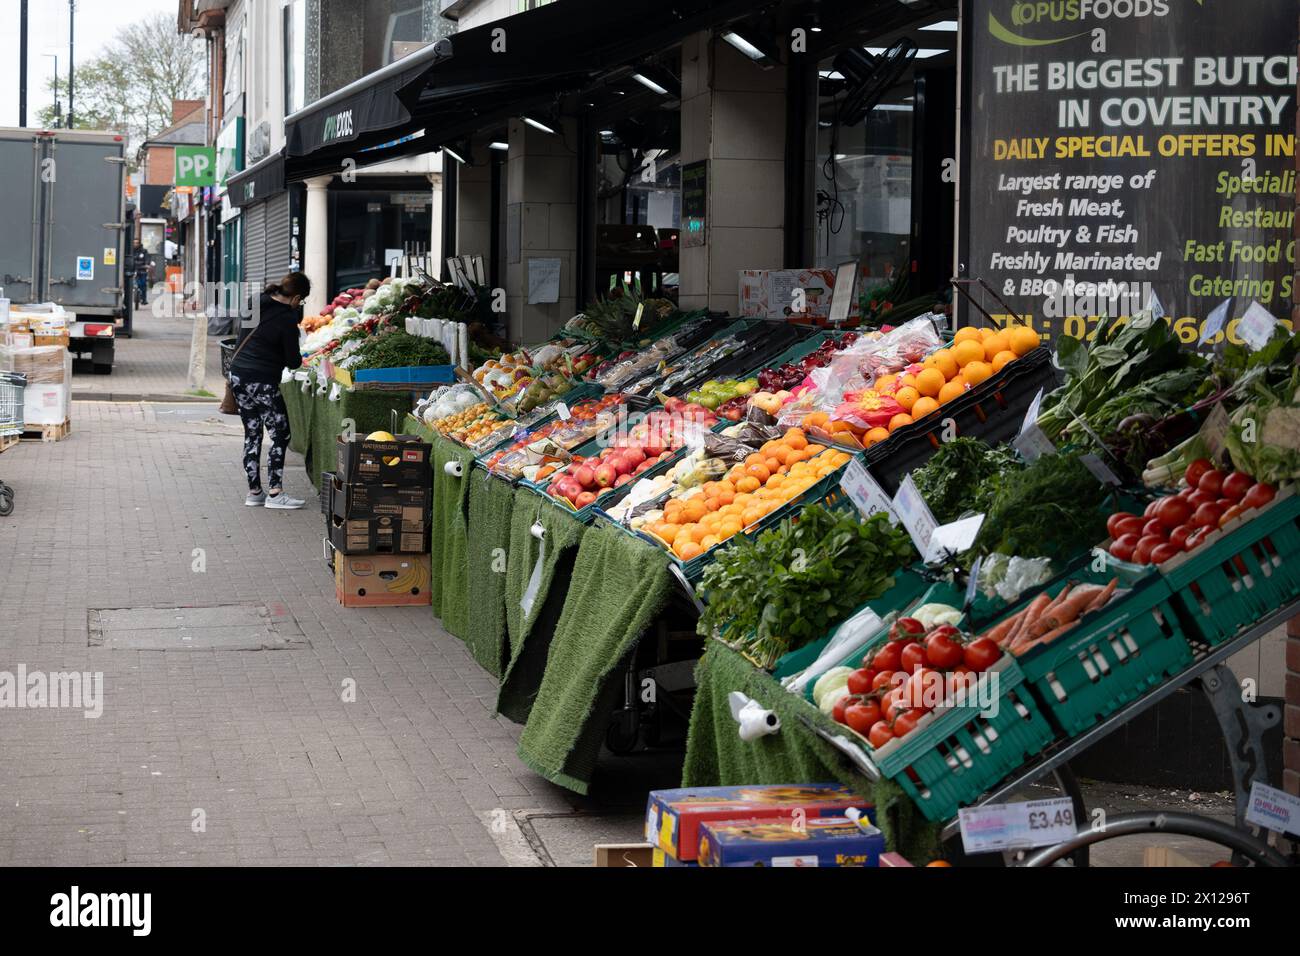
x=491, y=502
x=619, y=586
x=449, y=551
x=716, y=756
x=529, y=632
x=299, y=408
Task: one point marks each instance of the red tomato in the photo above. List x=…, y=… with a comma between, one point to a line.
x=841, y=705
x=1150, y=510
x=1259, y=495
x=958, y=684
x=1196, y=469
x=891, y=703
x=882, y=679
x=1236, y=485
x=1130, y=526
x=1211, y=481
x=913, y=657
x=1154, y=529
x=1198, y=498
x=860, y=681
x=905, y=722
x=1122, y=547
x=887, y=657
x=923, y=690
x=880, y=734
x=1163, y=552
x=863, y=715
x=1231, y=513
x=1114, y=520
x=1178, y=537
x=981, y=654
x=1142, y=553
x=1174, y=511
x=942, y=650
x=1207, y=515
x=1196, y=537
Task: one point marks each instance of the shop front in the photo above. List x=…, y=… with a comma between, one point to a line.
x=271, y=213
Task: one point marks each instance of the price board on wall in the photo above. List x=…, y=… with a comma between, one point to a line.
x=1132, y=154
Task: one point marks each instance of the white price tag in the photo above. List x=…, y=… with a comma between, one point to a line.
x=915, y=514
x=953, y=538
x=1099, y=469
x=1214, y=322
x=636, y=321
x=1256, y=326
x=1032, y=443
x=562, y=410
x=1214, y=430
x=865, y=491
x=1156, y=306
x=1273, y=809
x=1016, y=826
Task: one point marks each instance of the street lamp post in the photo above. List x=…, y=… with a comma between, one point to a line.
x=58, y=107
x=72, y=63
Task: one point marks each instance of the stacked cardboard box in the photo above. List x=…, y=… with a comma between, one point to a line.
x=377, y=521
x=47, y=398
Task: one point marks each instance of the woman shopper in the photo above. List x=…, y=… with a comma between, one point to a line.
x=265, y=351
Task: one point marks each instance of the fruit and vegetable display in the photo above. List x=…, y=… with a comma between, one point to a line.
x=473, y=426
x=583, y=480
x=728, y=397
x=777, y=591
x=614, y=318
x=1048, y=617
x=394, y=348
x=539, y=447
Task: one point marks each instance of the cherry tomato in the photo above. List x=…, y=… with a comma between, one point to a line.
x=1155, y=529
x=860, y=681
x=905, y=722
x=981, y=654
x=1178, y=537
x=1196, y=469
x=1123, y=546
x=881, y=679
x=880, y=734
x=863, y=715
x=1174, y=511
x=1211, y=481
x=1131, y=526
x=1236, y=485
x=1163, y=552
x=942, y=651
x=887, y=657
x=1207, y=515
x=913, y=657
x=1259, y=495
x=1115, y=519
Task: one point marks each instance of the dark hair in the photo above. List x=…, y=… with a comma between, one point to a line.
x=293, y=283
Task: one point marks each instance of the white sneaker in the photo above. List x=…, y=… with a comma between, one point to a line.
x=284, y=501
x=255, y=500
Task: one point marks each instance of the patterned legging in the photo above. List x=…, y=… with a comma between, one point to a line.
x=261, y=406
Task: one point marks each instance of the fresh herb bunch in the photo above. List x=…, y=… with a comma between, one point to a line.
x=398, y=349
x=1050, y=509
x=796, y=580
x=963, y=475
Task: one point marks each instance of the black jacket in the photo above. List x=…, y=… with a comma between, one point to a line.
x=272, y=345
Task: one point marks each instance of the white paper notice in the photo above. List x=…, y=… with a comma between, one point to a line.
x=1016, y=826
x=562, y=410
x=1273, y=809
x=1215, y=321
x=1256, y=326
x=953, y=538
x=865, y=491
x=1032, y=443
x=915, y=514
x=543, y=281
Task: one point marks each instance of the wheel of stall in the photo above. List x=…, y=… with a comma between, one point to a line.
x=6, y=500
x=1159, y=822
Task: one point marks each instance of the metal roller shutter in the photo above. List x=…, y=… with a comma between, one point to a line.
x=255, y=246
x=277, y=236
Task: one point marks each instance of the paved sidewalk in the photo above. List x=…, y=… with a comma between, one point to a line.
x=281, y=768
x=153, y=364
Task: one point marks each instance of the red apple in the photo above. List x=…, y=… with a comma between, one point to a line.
x=584, y=499
x=649, y=463
x=606, y=475
x=634, y=456
x=584, y=475
x=622, y=480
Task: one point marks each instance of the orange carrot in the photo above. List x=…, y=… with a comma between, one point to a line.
x=1103, y=596
x=998, y=633
x=1046, y=638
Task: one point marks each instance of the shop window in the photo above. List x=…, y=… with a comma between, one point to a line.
x=370, y=228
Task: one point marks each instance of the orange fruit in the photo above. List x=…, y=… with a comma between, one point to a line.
x=885, y=383
x=795, y=438
x=751, y=515
x=757, y=458
x=899, y=420
x=976, y=372
x=686, y=532
x=695, y=509
x=923, y=407
x=699, y=533
x=710, y=488
x=1023, y=340
x=954, y=389
x=726, y=487
x=687, y=550
x=815, y=449
x=729, y=527
x=907, y=397
x=995, y=343
x=774, y=463
x=1002, y=358
x=967, y=352
x=709, y=541
x=726, y=497
x=908, y=379
x=879, y=434
x=968, y=334
x=667, y=531
x=759, y=471
x=943, y=361
x=929, y=381
x=674, y=516
x=713, y=504
x=748, y=484
x=816, y=419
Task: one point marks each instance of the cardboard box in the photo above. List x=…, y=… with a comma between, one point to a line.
x=401, y=462
x=385, y=534
x=825, y=841
x=662, y=859
x=43, y=365
x=769, y=293
x=51, y=338
x=623, y=854
x=409, y=503
x=673, y=817
x=381, y=580
x=45, y=404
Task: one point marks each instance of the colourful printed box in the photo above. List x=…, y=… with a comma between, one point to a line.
x=673, y=817
x=825, y=841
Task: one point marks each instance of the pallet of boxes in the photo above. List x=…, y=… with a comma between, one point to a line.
x=377, y=520
x=39, y=350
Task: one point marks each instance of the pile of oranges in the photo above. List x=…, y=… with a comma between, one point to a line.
x=775, y=474
x=975, y=355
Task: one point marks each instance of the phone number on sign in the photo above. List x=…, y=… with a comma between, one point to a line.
x=1189, y=329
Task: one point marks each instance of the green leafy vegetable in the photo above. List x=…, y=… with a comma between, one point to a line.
x=398, y=349
x=1051, y=509
x=963, y=475
x=1264, y=437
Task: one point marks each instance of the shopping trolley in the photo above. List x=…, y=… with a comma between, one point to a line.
x=11, y=426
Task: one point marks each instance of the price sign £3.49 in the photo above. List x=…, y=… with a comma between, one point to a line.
x=1017, y=826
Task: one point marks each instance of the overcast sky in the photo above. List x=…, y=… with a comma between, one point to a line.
x=47, y=32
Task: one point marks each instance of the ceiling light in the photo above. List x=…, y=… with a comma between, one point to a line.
x=943, y=26
x=815, y=29
x=649, y=84
x=536, y=125
x=606, y=132
x=498, y=145
x=921, y=54
x=455, y=155
x=744, y=46
x=894, y=107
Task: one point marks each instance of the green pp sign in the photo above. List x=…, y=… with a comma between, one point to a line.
x=196, y=166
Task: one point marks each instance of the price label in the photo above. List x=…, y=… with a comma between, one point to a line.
x=1016, y=826
x=1032, y=443
x=1156, y=306
x=636, y=320
x=915, y=514
x=1256, y=326
x=1214, y=322
x=953, y=538
x=865, y=491
x=1273, y=809
x=1214, y=430
x=1099, y=469
x=562, y=410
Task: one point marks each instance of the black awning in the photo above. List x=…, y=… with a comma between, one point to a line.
x=258, y=182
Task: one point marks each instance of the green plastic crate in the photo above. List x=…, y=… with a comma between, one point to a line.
x=1113, y=656
x=1245, y=574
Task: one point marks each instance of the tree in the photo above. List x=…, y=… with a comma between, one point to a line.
x=130, y=86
